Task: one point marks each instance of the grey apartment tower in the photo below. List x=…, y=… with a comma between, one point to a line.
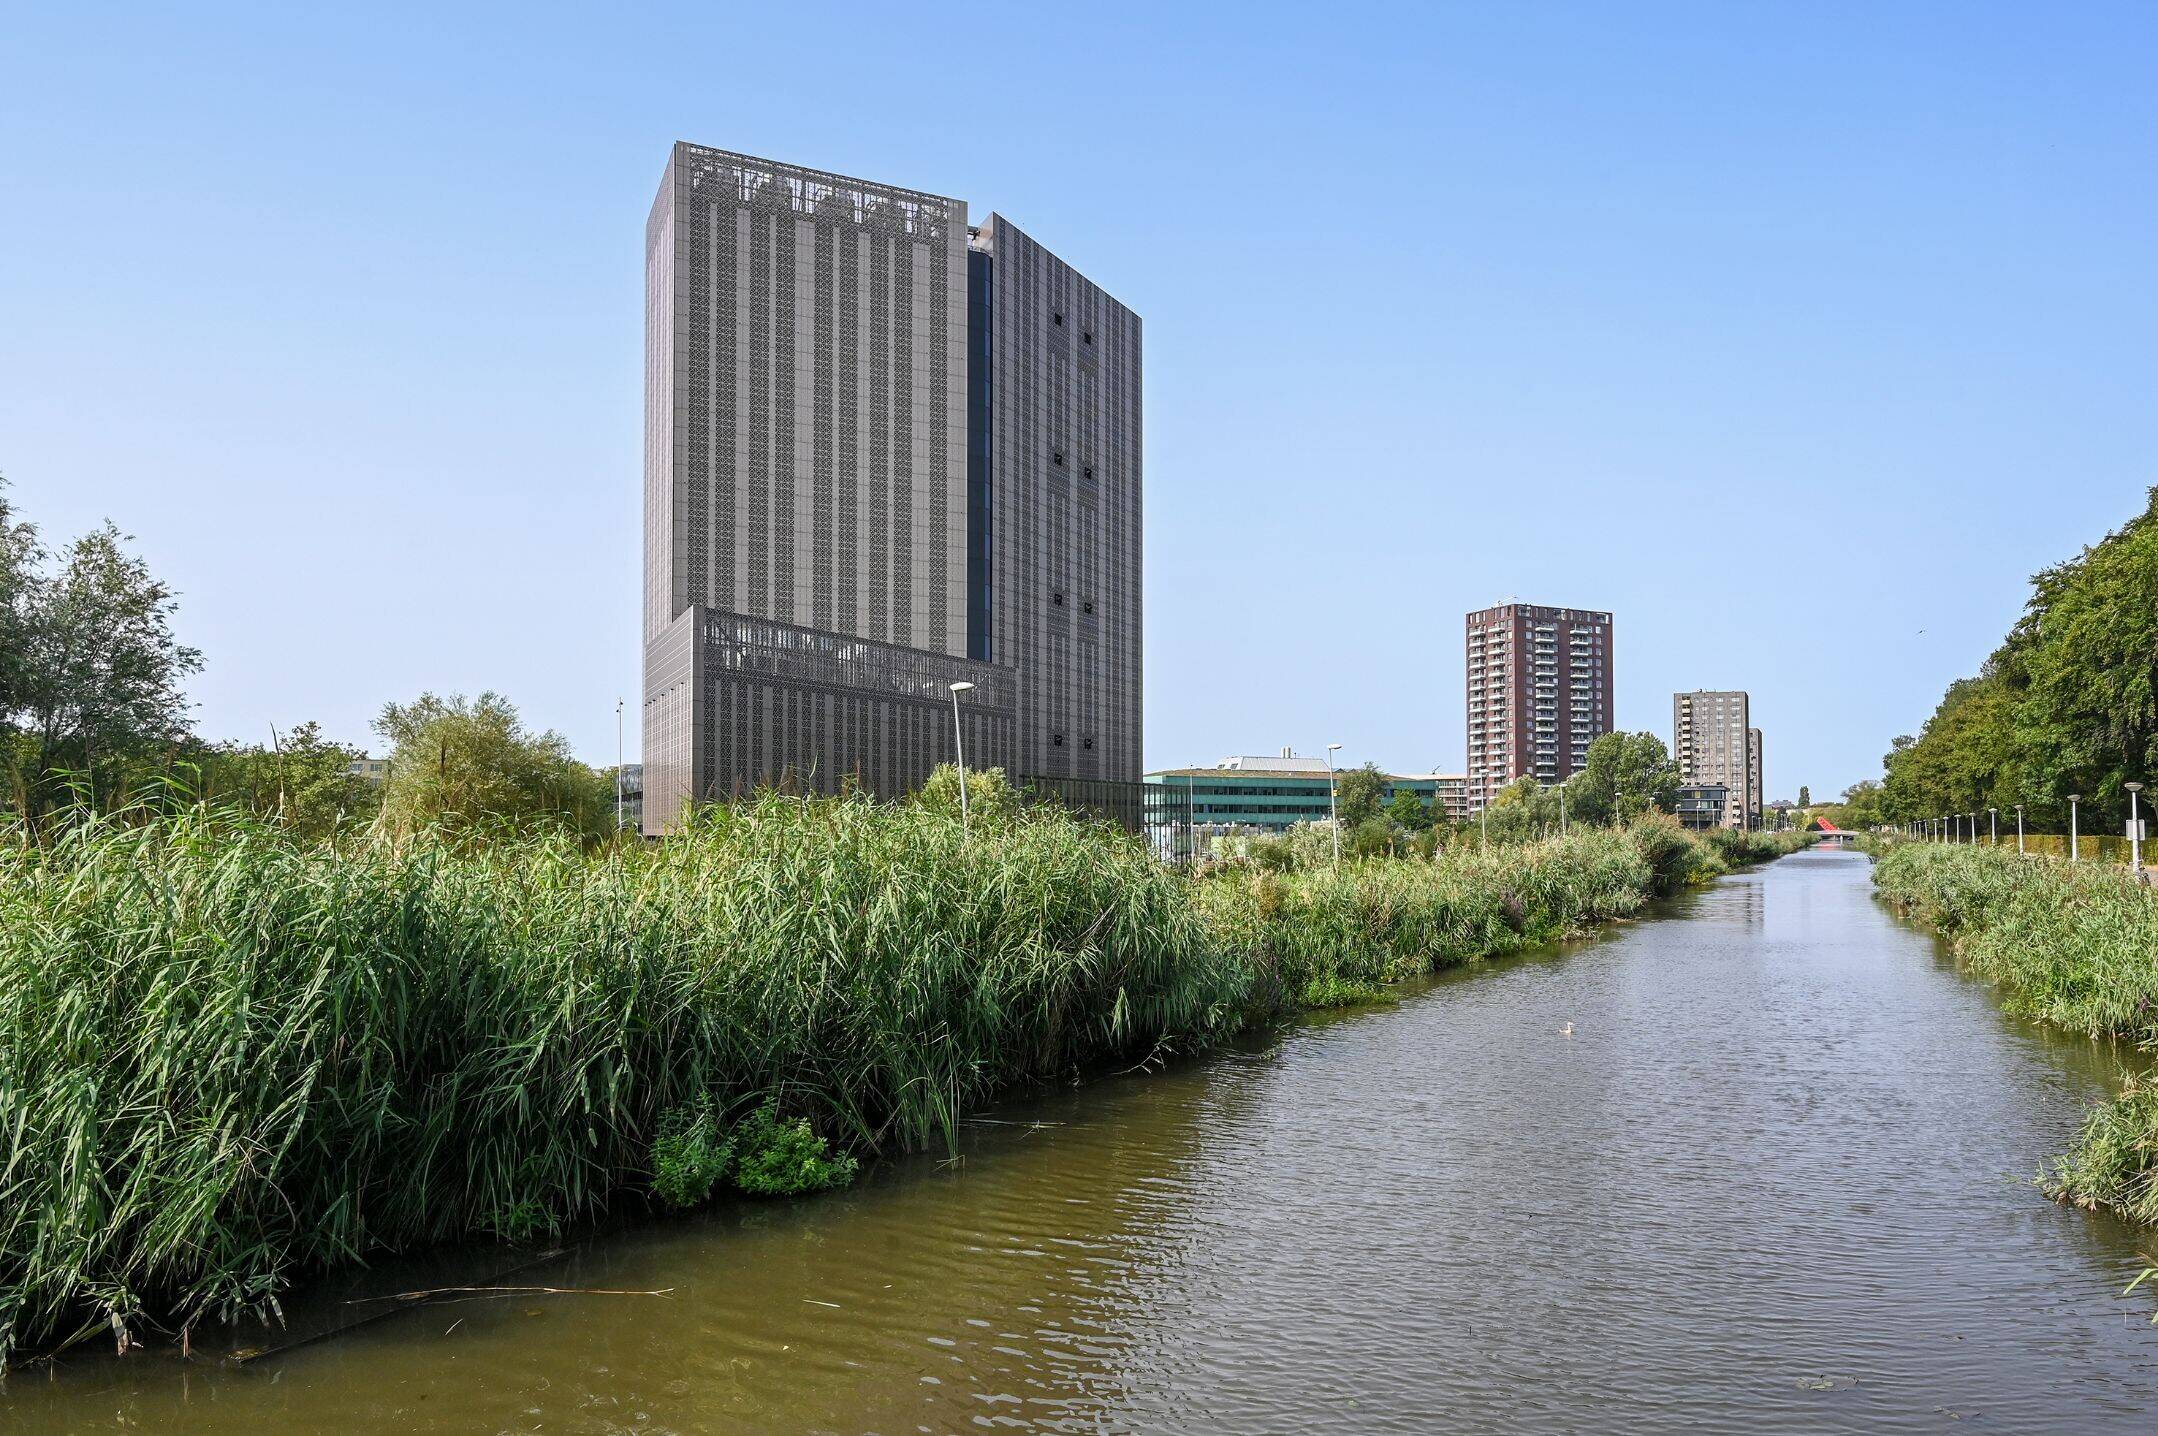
x=885, y=453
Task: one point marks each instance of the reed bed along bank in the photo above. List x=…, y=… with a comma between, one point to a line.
x=228, y=1057
x=1323, y=936
x=2073, y=944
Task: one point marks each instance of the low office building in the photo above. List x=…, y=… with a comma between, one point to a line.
x=1447, y=792
x=1701, y=806
x=1246, y=795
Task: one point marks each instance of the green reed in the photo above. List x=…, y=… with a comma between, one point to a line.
x=2073, y=944
x=229, y=1056
x=226, y=1056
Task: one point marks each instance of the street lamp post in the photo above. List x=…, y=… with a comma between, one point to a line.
x=1562, y=810
x=618, y=765
x=1993, y=826
x=1333, y=809
x=2135, y=830
x=2019, y=830
x=959, y=750
x=2073, y=852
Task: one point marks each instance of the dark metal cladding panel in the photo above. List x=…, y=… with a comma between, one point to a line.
x=1063, y=456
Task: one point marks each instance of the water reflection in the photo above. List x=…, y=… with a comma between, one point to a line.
x=1776, y=1178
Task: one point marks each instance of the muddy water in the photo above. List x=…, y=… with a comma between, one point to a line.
x=1778, y=1178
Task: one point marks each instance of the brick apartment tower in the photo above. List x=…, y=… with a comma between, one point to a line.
x=1539, y=692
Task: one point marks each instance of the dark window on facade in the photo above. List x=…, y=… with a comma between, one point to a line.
x=1087, y=743
x=1057, y=320
x=1058, y=598
x=1087, y=337
x=1056, y=456
x=1057, y=738
x=1087, y=472
x=1087, y=607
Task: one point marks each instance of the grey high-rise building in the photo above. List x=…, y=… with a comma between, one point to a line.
x=1755, y=784
x=885, y=453
x=1713, y=742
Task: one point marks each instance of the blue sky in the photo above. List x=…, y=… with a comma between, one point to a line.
x=1798, y=336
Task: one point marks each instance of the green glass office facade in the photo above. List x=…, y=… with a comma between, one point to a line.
x=1232, y=799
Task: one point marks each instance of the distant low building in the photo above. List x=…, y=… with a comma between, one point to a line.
x=374, y=770
x=1254, y=795
x=1703, y=805
x=1450, y=791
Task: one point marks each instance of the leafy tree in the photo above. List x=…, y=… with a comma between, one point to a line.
x=2067, y=704
x=1408, y=810
x=1623, y=776
x=990, y=794
x=20, y=558
x=1522, y=810
x=1372, y=838
x=470, y=764
x=1805, y=796
x=98, y=670
x=1359, y=794
x=302, y=778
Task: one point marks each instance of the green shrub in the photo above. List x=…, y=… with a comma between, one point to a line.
x=785, y=1159
x=2114, y=1163
x=691, y=1155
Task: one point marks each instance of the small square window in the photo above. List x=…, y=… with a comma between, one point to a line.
x=1058, y=598
x=1057, y=738
x=1087, y=336
x=1057, y=457
x=1087, y=607
x=1057, y=320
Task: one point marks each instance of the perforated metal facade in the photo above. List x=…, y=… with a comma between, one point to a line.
x=1065, y=543
x=830, y=534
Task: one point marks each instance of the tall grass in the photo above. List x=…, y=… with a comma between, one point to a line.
x=1319, y=936
x=2073, y=944
x=226, y=1056
x=229, y=1056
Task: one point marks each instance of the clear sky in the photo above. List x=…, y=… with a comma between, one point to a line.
x=1798, y=336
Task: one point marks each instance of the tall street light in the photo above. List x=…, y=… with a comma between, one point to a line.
x=2135, y=830
x=1993, y=826
x=959, y=748
x=2019, y=830
x=1333, y=812
x=2073, y=853
x=618, y=765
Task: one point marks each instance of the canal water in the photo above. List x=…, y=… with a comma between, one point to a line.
x=1778, y=1178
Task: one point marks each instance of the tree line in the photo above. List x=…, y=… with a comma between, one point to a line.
x=94, y=717
x=1623, y=776
x=2068, y=704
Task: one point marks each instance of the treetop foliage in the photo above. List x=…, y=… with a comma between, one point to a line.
x=2065, y=705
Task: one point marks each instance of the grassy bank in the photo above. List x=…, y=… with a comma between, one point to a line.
x=2075, y=945
x=228, y=1056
